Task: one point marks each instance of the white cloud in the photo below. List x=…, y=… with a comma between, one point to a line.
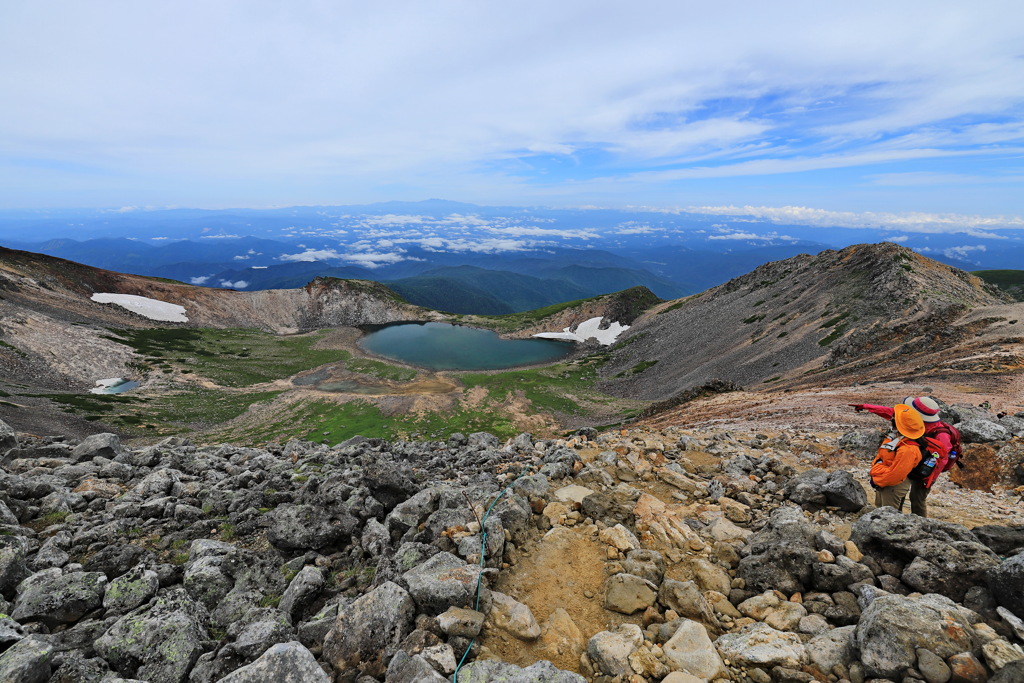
x=241, y=258
x=201, y=280
x=312, y=255
x=978, y=226
x=767, y=237
x=238, y=284
x=525, y=231
x=963, y=252
x=371, y=259
x=220, y=237
x=898, y=239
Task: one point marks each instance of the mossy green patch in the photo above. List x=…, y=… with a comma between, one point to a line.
x=231, y=357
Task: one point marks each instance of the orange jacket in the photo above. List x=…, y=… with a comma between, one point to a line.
x=896, y=457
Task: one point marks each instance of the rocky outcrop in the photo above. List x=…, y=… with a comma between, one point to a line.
x=222, y=563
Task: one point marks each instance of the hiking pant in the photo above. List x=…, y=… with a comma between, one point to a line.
x=918, y=493
x=892, y=496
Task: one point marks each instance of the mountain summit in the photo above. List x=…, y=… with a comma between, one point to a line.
x=865, y=305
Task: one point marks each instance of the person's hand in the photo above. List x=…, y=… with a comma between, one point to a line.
x=859, y=407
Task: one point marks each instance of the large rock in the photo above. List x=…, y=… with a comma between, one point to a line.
x=160, y=642
x=28, y=661
x=887, y=534
x=367, y=633
x=688, y=601
x=287, y=662
x=494, y=671
x=258, y=630
x=97, y=445
x=831, y=649
x=8, y=437
x=626, y=594
x=759, y=645
x=441, y=582
x=977, y=430
x=1006, y=583
x=609, y=650
x=13, y=568
x=130, y=590
x=844, y=492
x=892, y=627
x=1003, y=540
x=305, y=527
x=513, y=617
x=690, y=650
x=302, y=591
x=404, y=668
x=53, y=597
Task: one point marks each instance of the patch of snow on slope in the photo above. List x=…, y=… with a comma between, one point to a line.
x=586, y=330
x=144, y=306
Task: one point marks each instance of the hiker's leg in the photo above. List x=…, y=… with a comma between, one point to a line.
x=918, y=496
x=902, y=489
x=892, y=496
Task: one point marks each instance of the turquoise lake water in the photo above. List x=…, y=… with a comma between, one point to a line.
x=440, y=346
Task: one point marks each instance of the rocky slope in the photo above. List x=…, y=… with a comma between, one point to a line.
x=672, y=555
x=869, y=309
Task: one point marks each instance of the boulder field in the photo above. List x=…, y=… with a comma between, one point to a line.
x=712, y=559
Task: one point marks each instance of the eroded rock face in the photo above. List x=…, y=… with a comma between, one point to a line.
x=949, y=550
x=160, y=642
x=893, y=627
x=1006, y=582
x=367, y=632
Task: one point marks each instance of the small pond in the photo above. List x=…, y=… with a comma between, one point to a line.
x=440, y=346
x=115, y=385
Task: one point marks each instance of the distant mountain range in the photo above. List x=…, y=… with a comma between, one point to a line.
x=460, y=257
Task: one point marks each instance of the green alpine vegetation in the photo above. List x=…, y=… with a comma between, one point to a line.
x=1010, y=281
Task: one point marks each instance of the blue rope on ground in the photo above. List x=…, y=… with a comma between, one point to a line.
x=483, y=558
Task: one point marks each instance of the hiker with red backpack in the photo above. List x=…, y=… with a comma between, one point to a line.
x=940, y=447
x=897, y=456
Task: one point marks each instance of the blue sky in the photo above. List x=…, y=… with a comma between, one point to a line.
x=790, y=106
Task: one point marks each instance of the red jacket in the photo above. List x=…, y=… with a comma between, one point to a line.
x=936, y=438
x=896, y=457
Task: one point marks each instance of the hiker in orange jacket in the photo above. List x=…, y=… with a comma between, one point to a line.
x=939, y=440
x=898, y=454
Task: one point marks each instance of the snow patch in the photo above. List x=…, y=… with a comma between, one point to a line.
x=588, y=329
x=144, y=306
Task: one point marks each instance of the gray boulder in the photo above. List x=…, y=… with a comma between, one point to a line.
x=441, y=582
x=130, y=590
x=160, y=642
x=1006, y=583
x=806, y=487
x=260, y=628
x=8, y=437
x=844, y=492
x=28, y=661
x=760, y=645
x=831, y=649
x=977, y=430
x=626, y=593
x=1011, y=673
x=893, y=627
x=413, y=669
x=305, y=527
x=6, y=516
x=55, y=598
x=13, y=568
x=539, y=672
x=818, y=487
x=302, y=591
x=367, y=632
x=10, y=630
x=888, y=535
x=97, y=445
x=287, y=662
x=782, y=554
x=609, y=650
x=1003, y=540
x=864, y=442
